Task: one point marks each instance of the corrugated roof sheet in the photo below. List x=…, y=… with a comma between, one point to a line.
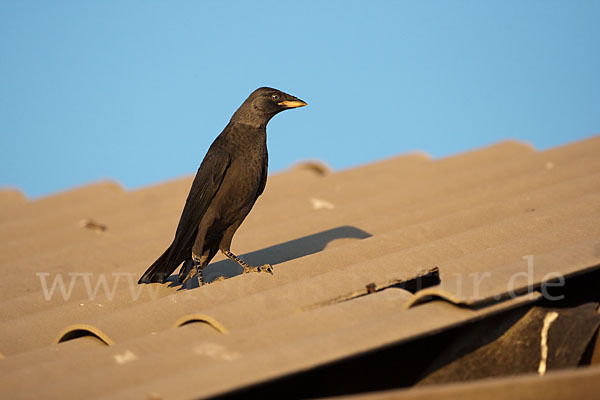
x=341, y=245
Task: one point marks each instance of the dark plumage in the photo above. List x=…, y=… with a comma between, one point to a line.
x=231, y=177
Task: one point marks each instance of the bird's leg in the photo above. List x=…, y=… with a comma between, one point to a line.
x=248, y=268
x=198, y=267
x=192, y=271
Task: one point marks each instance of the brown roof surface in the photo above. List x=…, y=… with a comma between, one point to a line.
x=568, y=384
x=332, y=238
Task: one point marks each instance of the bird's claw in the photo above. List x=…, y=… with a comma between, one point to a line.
x=263, y=268
x=193, y=272
x=266, y=268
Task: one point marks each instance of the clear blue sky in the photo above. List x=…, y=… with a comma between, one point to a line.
x=137, y=90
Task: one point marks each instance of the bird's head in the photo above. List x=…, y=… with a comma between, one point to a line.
x=263, y=104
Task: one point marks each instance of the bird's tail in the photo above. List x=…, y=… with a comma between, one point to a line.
x=159, y=271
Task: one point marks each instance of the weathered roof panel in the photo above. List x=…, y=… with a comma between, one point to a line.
x=342, y=244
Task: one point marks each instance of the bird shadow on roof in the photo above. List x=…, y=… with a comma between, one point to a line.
x=278, y=253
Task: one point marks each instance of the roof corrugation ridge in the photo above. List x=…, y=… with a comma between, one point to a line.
x=70, y=214
x=486, y=154
x=10, y=198
x=72, y=350
x=361, y=184
x=282, y=187
x=548, y=261
x=499, y=150
x=89, y=193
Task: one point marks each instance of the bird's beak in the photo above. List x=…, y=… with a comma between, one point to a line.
x=292, y=103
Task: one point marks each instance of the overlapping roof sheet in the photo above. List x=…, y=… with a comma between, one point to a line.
x=490, y=225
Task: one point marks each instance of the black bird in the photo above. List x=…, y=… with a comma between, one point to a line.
x=230, y=178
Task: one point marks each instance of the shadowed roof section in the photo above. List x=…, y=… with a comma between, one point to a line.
x=402, y=256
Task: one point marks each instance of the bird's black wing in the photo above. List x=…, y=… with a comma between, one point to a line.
x=263, y=181
x=204, y=187
x=206, y=184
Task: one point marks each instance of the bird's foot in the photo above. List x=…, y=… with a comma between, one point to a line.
x=248, y=268
x=194, y=273
x=263, y=268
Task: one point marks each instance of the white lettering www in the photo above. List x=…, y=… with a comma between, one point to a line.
x=101, y=286
x=58, y=281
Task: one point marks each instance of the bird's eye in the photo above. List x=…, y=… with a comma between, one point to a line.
x=275, y=97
